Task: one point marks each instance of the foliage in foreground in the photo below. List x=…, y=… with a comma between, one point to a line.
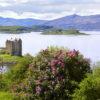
x=53, y=74
x=89, y=88
x=16, y=74
x=6, y=96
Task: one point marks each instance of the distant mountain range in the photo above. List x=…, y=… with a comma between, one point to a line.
x=91, y=22
x=78, y=22
x=20, y=22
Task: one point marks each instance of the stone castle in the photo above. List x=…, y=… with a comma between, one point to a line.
x=14, y=47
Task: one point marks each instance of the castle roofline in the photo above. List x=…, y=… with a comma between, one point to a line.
x=12, y=40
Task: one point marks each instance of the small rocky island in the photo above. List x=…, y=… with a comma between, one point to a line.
x=63, y=32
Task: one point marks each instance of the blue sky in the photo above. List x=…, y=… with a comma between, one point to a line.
x=47, y=9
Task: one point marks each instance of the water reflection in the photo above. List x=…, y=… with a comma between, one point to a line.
x=3, y=69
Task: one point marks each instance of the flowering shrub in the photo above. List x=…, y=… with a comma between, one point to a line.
x=53, y=75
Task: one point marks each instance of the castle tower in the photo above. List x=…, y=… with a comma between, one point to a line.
x=14, y=47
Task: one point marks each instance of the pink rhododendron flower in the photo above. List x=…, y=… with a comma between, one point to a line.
x=38, y=90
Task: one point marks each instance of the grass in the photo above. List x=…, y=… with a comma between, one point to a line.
x=6, y=96
x=9, y=58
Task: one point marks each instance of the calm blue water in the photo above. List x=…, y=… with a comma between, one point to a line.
x=33, y=42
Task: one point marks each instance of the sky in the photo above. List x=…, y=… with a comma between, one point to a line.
x=47, y=9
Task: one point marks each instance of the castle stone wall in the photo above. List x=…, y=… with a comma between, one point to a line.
x=14, y=47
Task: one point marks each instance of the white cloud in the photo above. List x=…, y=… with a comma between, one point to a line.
x=47, y=9
x=46, y=16
x=21, y=1
x=97, y=1
x=4, y=4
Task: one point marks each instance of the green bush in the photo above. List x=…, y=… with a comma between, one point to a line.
x=52, y=75
x=13, y=76
x=89, y=88
x=2, y=82
x=18, y=72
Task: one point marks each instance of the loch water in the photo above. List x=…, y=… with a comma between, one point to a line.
x=88, y=45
